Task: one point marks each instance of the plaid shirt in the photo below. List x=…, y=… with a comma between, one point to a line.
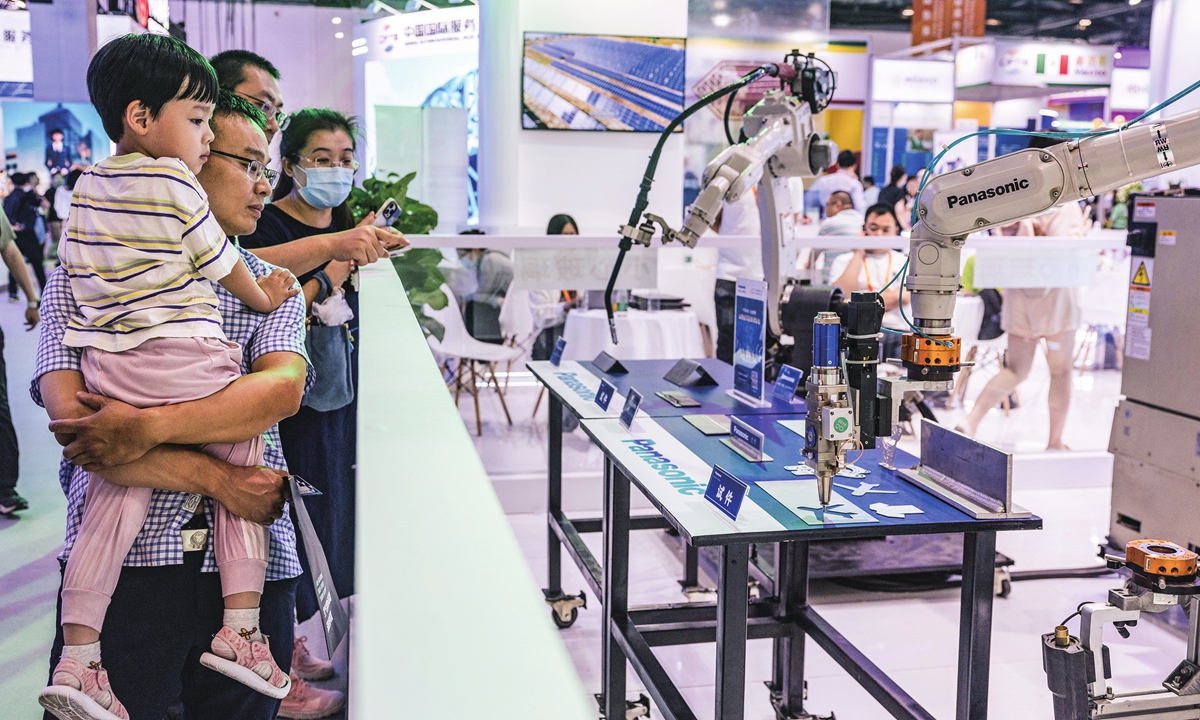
x=159, y=542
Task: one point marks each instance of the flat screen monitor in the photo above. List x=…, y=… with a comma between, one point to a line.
x=601, y=82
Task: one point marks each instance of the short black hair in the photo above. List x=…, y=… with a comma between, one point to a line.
x=882, y=209
x=869, y=180
x=73, y=177
x=57, y=131
x=847, y=159
x=150, y=69
x=230, y=104
x=898, y=171
x=231, y=67
x=17, y=179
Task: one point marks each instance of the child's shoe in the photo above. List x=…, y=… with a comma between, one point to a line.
x=250, y=663
x=81, y=692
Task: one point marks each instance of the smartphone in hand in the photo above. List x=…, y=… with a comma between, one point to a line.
x=388, y=214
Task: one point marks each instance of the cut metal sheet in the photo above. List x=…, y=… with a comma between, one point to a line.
x=800, y=496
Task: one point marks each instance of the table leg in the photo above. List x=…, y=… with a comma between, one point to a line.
x=732, y=598
x=691, y=566
x=791, y=579
x=975, y=624
x=554, y=499
x=616, y=590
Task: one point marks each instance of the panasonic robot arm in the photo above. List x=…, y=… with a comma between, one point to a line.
x=1010, y=188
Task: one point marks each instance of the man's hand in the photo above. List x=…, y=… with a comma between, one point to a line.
x=116, y=434
x=31, y=318
x=256, y=494
x=365, y=243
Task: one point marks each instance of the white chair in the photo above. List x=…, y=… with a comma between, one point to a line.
x=457, y=344
x=516, y=325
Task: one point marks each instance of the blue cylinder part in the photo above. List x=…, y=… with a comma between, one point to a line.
x=825, y=344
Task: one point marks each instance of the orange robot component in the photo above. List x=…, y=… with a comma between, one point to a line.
x=1161, y=557
x=923, y=352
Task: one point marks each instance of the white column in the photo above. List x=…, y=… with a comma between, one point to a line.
x=64, y=40
x=500, y=55
x=1173, y=65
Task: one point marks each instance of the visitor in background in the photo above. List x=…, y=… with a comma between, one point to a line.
x=494, y=273
x=22, y=207
x=550, y=307
x=894, y=191
x=10, y=501
x=253, y=78
x=1030, y=315
x=739, y=217
x=309, y=229
x=904, y=208
x=841, y=220
x=870, y=191
x=872, y=269
x=61, y=203
x=58, y=155
x=843, y=179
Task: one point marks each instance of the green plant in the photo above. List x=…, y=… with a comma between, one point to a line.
x=418, y=269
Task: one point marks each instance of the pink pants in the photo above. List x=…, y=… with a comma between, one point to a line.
x=162, y=371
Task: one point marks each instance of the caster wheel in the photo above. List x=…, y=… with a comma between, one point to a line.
x=1005, y=588
x=563, y=624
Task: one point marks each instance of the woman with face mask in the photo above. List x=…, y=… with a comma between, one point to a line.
x=319, y=441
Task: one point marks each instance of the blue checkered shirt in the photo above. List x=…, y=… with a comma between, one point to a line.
x=159, y=542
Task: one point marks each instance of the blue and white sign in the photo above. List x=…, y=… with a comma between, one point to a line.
x=632, y=401
x=725, y=492
x=747, y=439
x=605, y=394
x=786, y=384
x=556, y=356
x=750, y=338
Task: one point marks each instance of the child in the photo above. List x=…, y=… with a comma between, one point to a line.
x=141, y=250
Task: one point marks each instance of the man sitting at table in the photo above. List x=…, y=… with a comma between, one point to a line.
x=872, y=270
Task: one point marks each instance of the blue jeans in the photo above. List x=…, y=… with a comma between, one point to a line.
x=160, y=621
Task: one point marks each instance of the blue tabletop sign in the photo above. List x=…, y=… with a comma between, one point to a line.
x=746, y=438
x=556, y=356
x=725, y=492
x=786, y=383
x=632, y=401
x=605, y=394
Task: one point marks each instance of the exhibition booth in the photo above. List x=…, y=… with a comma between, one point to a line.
x=632, y=437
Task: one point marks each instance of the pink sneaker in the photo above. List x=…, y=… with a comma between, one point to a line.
x=308, y=667
x=81, y=692
x=250, y=663
x=306, y=702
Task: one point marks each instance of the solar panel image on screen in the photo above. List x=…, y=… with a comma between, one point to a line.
x=601, y=82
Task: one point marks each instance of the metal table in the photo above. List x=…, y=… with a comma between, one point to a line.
x=572, y=385
x=630, y=634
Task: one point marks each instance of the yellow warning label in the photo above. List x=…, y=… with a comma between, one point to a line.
x=1141, y=277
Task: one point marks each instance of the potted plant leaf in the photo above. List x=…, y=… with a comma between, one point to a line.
x=418, y=268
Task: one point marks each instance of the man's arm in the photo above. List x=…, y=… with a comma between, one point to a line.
x=109, y=432
x=16, y=266
x=363, y=245
x=253, y=493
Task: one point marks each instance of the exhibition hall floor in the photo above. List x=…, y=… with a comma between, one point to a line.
x=913, y=637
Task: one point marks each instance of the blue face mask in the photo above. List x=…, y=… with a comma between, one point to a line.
x=326, y=187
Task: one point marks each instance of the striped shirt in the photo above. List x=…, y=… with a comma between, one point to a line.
x=142, y=250
x=158, y=543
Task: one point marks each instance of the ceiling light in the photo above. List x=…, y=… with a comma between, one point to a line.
x=722, y=20
x=993, y=22
x=359, y=42
x=1085, y=23
x=336, y=21
x=1117, y=55
x=1135, y=2
x=907, y=12
x=719, y=4
x=360, y=50
x=339, y=35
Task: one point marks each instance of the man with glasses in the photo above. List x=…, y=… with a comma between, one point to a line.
x=172, y=595
x=254, y=79
x=872, y=269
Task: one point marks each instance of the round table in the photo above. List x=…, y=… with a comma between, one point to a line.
x=665, y=334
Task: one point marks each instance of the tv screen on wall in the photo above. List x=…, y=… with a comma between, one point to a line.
x=601, y=82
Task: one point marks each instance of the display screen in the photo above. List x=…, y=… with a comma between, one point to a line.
x=601, y=82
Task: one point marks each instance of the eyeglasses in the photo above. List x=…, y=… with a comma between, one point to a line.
x=873, y=229
x=281, y=118
x=255, y=169
x=323, y=162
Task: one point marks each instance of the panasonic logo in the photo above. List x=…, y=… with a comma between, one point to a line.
x=573, y=382
x=669, y=471
x=1015, y=185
